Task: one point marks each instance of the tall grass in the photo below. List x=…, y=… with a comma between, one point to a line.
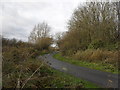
x=98, y=55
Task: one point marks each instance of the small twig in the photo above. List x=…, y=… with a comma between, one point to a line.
x=18, y=81
x=31, y=75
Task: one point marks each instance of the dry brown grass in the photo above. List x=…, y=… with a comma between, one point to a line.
x=97, y=55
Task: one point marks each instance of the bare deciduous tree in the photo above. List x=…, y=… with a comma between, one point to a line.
x=40, y=31
x=95, y=22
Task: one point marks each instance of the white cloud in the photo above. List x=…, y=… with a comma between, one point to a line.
x=20, y=16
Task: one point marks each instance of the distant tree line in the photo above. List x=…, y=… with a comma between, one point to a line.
x=13, y=42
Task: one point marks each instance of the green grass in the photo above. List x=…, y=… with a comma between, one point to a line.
x=65, y=80
x=98, y=66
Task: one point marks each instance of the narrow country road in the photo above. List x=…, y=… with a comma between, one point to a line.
x=100, y=78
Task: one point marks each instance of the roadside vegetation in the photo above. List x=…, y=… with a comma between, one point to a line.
x=106, y=67
x=93, y=37
x=21, y=69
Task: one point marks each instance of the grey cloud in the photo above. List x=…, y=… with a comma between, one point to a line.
x=18, y=19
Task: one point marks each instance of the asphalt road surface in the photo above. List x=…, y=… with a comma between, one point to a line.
x=103, y=79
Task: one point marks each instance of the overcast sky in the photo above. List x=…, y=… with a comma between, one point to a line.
x=18, y=18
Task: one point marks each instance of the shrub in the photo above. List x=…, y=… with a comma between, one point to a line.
x=43, y=43
x=96, y=44
x=83, y=55
x=112, y=46
x=98, y=56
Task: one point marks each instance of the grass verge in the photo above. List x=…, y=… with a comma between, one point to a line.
x=98, y=66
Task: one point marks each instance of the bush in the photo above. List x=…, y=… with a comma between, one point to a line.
x=83, y=55
x=96, y=44
x=43, y=43
x=19, y=62
x=112, y=46
x=28, y=67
